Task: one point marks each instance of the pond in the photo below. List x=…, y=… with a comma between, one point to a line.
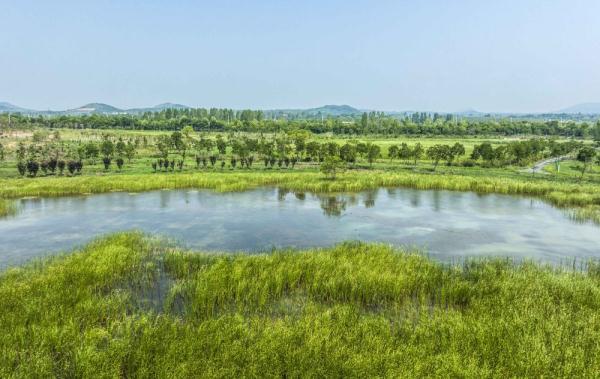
x=448, y=225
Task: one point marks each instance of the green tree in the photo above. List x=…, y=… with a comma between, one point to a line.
x=436, y=153
x=91, y=151
x=312, y=150
x=393, y=152
x=107, y=148
x=373, y=152
x=163, y=145
x=130, y=151
x=331, y=166
x=417, y=152
x=348, y=153
x=457, y=150
x=364, y=120
x=596, y=131
x=21, y=152
x=586, y=156
x=221, y=145
x=120, y=147
x=179, y=143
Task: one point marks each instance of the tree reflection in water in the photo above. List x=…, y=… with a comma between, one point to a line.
x=300, y=195
x=332, y=205
x=370, y=197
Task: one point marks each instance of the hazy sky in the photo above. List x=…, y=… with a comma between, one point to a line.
x=527, y=55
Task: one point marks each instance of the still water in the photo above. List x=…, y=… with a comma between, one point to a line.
x=448, y=225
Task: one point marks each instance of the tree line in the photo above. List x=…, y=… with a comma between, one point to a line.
x=51, y=156
x=374, y=123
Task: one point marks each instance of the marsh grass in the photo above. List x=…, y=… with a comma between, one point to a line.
x=353, y=310
x=560, y=194
x=586, y=214
x=7, y=207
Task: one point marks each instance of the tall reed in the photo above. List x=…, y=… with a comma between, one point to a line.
x=354, y=310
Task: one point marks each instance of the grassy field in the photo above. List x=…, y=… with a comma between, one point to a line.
x=148, y=153
x=126, y=306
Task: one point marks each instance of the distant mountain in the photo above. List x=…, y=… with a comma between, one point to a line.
x=95, y=108
x=469, y=112
x=8, y=107
x=326, y=111
x=334, y=110
x=169, y=106
x=583, y=108
x=91, y=108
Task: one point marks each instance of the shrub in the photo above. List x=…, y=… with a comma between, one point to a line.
x=106, y=161
x=21, y=167
x=32, y=168
x=72, y=167
x=61, y=166
x=331, y=166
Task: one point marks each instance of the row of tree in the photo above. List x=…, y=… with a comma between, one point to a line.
x=253, y=121
x=522, y=152
x=284, y=149
x=51, y=156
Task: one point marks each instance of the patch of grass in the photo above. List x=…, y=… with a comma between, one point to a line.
x=354, y=310
x=7, y=207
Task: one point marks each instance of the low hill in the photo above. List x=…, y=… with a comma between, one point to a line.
x=583, y=108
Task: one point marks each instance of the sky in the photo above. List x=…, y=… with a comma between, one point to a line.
x=428, y=55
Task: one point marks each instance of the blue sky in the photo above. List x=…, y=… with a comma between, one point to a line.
x=519, y=56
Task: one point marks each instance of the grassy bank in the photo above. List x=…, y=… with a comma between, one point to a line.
x=124, y=306
x=7, y=207
x=562, y=194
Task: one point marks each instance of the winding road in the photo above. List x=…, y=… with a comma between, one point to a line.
x=538, y=168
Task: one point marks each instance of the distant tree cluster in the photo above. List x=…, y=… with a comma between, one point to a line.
x=373, y=123
x=48, y=155
x=522, y=152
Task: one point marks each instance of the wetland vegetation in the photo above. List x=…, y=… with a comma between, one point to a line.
x=129, y=306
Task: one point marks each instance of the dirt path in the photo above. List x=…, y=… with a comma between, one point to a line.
x=538, y=168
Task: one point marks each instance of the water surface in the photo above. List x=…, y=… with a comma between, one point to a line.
x=448, y=225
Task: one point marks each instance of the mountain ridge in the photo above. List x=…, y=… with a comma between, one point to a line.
x=589, y=108
x=582, y=108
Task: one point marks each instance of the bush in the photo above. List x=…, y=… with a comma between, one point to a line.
x=106, y=161
x=72, y=167
x=61, y=166
x=21, y=167
x=331, y=166
x=33, y=167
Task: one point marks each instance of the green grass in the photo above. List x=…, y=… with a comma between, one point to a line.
x=354, y=310
x=572, y=168
x=7, y=207
x=562, y=194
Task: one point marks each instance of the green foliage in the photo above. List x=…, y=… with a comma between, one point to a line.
x=586, y=156
x=7, y=207
x=254, y=121
x=107, y=148
x=126, y=307
x=331, y=166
